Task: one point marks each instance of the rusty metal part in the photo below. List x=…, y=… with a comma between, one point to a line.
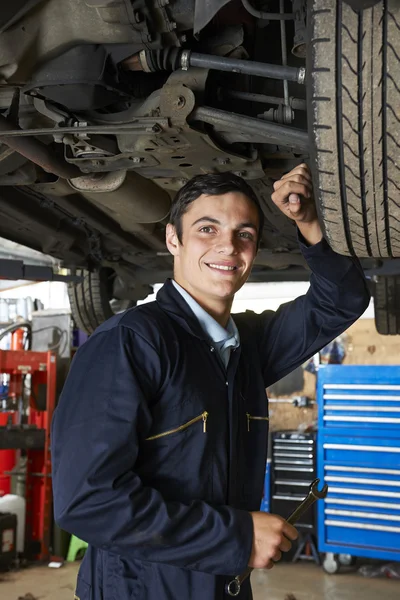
x=37, y=152
x=126, y=197
x=177, y=153
x=269, y=132
x=300, y=29
x=295, y=103
x=177, y=102
x=134, y=63
x=137, y=125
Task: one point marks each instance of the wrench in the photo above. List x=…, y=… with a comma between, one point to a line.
x=233, y=587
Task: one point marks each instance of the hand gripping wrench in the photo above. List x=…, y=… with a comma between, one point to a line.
x=233, y=587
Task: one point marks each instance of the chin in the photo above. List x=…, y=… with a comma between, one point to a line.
x=225, y=290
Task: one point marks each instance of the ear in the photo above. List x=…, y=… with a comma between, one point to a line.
x=171, y=239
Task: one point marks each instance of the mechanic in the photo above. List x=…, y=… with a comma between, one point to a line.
x=159, y=440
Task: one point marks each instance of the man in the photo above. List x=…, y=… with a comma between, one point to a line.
x=159, y=440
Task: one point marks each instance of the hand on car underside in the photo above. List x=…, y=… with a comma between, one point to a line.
x=294, y=196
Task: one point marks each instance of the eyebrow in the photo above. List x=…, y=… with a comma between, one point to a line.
x=246, y=224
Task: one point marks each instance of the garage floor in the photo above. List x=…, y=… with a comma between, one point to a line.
x=304, y=581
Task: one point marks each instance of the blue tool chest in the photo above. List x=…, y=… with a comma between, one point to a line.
x=358, y=456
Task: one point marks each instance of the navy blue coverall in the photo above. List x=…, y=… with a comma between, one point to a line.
x=156, y=460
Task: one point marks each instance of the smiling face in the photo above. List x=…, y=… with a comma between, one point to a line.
x=219, y=245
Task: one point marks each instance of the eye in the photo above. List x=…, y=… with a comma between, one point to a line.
x=246, y=235
x=206, y=229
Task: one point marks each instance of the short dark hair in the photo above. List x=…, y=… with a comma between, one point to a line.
x=211, y=184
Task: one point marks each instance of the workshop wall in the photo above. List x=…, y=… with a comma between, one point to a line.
x=365, y=346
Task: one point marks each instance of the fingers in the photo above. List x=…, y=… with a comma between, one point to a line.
x=281, y=195
x=272, y=535
x=277, y=556
x=294, y=203
x=298, y=178
x=285, y=545
x=275, y=559
x=290, y=532
x=302, y=169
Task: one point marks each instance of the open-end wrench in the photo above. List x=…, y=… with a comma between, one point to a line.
x=314, y=494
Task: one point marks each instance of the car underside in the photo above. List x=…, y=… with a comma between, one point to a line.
x=108, y=107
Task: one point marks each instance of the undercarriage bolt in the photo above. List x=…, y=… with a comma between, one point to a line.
x=180, y=102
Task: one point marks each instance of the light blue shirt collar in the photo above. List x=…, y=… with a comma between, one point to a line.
x=218, y=334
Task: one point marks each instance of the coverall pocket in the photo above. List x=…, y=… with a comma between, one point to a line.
x=177, y=456
x=129, y=579
x=83, y=590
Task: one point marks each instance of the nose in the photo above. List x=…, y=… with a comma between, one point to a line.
x=228, y=244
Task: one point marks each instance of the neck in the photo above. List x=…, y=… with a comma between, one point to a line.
x=218, y=308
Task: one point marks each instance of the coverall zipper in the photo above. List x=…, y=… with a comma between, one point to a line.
x=203, y=417
x=253, y=418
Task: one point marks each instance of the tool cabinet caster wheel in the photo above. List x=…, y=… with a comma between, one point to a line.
x=331, y=563
x=347, y=560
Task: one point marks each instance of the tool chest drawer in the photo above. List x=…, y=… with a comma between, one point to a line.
x=365, y=398
x=293, y=470
x=361, y=462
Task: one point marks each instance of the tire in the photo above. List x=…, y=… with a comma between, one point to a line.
x=91, y=300
x=386, y=294
x=354, y=121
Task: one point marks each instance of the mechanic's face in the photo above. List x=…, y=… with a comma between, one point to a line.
x=219, y=244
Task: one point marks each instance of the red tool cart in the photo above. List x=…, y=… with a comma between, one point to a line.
x=8, y=457
x=32, y=436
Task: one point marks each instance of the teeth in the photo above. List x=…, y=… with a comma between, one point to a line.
x=221, y=267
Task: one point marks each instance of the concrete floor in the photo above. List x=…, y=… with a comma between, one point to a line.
x=304, y=581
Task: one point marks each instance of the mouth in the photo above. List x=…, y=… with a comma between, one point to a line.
x=222, y=268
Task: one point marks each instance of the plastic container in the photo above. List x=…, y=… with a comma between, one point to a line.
x=7, y=458
x=16, y=505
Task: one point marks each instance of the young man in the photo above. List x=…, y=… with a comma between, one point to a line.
x=159, y=440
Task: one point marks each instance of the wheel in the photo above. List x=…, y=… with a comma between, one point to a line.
x=354, y=122
x=386, y=293
x=92, y=300
x=331, y=563
x=347, y=560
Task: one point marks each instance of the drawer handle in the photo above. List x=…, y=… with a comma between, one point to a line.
x=366, y=526
x=361, y=492
x=363, y=419
x=354, y=447
x=295, y=483
x=342, y=502
x=360, y=480
x=362, y=470
x=294, y=498
x=361, y=397
x=360, y=386
x=362, y=408
x=295, y=469
x=361, y=514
